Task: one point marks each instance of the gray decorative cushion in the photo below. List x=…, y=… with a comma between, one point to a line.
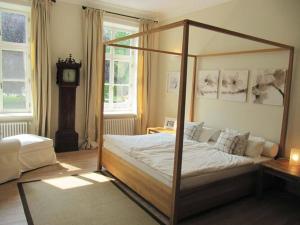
x=241, y=145
x=226, y=142
x=192, y=130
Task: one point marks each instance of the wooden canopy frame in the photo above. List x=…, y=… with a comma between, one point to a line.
x=182, y=89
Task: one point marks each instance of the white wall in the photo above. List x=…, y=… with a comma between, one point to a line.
x=66, y=38
x=277, y=20
x=262, y=120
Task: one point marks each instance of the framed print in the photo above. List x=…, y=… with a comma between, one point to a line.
x=268, y=86
x=207, y=84
x=234, y=85
x=170, y=123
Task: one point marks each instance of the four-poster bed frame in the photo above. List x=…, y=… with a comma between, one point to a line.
x=173, y=202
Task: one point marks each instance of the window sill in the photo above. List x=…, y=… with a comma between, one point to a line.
x=119, y=115
x=15, y=116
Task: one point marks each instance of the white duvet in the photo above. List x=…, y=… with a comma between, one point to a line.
x=157, y=151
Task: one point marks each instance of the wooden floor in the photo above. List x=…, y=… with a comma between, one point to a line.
x=11, y=209
x=277, y=208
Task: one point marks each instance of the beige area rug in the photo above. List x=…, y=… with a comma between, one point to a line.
x=85, y=199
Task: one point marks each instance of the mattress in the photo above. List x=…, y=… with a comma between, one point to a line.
x=128, y=147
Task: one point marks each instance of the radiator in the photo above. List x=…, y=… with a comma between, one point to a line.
x=123, y=126
x=13, y=128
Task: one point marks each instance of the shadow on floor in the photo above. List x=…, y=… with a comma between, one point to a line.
x=276, y=208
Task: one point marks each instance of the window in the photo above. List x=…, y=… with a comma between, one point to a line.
x=120, y=86
x=15, y=93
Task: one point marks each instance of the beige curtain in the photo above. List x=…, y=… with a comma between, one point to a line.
x=92, y=68
x=41, y=66
x=145, y=63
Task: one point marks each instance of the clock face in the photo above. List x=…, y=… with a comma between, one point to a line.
x=69, y=75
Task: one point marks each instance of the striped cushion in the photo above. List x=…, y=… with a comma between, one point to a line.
x=241, y=145
x=192, y=130
x=226, y=142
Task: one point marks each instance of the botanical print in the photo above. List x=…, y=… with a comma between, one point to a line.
x=173, y=82
x=208, y=83
x=234, y=85
x=268, y=86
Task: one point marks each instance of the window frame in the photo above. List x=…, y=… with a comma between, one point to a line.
x=133, y=67
x=17, y=47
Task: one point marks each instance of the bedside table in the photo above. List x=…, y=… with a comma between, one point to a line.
x=154, y=130
x=280, y=168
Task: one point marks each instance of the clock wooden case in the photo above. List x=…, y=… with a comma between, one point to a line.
x=68, y=73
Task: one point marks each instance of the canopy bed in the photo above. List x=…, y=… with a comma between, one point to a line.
x=174, y=196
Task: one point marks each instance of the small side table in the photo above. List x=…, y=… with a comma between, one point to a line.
x=154, y=130
x=280, y=168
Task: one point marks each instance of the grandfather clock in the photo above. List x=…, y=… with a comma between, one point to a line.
x=66, y=138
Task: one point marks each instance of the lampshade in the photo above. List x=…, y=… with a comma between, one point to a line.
x=295, y=156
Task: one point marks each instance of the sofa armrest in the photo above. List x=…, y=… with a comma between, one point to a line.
x=9, y=145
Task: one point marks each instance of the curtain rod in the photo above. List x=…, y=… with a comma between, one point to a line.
x=119, y=14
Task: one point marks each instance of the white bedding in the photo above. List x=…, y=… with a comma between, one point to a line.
x=154, y=154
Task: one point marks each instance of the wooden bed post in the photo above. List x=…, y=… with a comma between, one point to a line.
x=101, y=114
x=194, y=85
x=168, y=199
x=180, y=126
x=286, y=108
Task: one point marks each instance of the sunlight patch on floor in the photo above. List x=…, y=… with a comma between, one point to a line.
x=96, y=177
x=67, y=182
x=69, y=167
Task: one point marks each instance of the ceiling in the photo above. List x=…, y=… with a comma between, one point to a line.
x=161, y=9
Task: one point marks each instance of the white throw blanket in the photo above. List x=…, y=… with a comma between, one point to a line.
x=157, y=151
x=140, y=141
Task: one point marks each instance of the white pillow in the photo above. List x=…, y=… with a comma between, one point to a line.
x=255, y=147
x=192, y=130
x=241, y=145
x=209, y=134
x=226, y=142
x=270, y=149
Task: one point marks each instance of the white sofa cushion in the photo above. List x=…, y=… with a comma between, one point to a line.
x=35, y=151
x=9, y=160
x=30, y=142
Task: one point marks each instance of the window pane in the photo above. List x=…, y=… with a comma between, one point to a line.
x=122, y=51
x=107, y=37
x=14, y=95
x=121, y=72
x=13, y=27
x=107, y=65
x=121, y=94
x=106, y=93
x=13, y=65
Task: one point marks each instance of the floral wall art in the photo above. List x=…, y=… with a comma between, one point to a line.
x=268, y=86
x=234, y=85
x=207, y=83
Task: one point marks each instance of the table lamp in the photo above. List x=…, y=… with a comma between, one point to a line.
x=295, y=156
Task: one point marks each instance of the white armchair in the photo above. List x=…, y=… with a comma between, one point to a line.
x=9, y=160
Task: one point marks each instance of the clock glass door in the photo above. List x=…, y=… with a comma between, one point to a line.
x=69, y=75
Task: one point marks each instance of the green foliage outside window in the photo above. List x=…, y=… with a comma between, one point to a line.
x=122, y=51
x=13, y=27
